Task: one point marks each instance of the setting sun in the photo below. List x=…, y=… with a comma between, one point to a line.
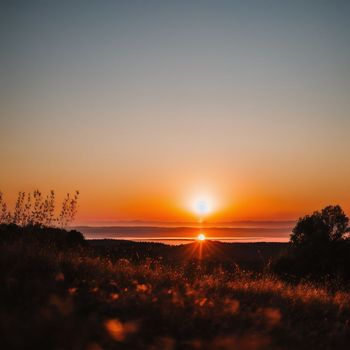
x=201, y=237
x=202, y=206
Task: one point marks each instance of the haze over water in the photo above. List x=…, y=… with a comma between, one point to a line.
x=177, y=233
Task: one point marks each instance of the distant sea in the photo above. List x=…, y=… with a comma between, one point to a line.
x=181, y=233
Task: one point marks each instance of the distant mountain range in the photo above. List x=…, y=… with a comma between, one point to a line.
x=238, y=223
x=244, y=230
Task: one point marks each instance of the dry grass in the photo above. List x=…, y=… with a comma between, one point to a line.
x=74, y=300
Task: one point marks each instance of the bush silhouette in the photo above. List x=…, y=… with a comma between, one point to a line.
x=35, y=209
x=320, y=246
x=322, y=227
x=48, y=237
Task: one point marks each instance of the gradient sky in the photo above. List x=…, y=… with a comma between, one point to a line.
x=145, y=105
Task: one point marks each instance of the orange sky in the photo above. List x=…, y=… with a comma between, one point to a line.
x=144, y=108
x=170, y=196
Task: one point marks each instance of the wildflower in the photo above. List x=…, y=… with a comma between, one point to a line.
x=72, y=290
x=141, y=288
x=114, y=296
x=118, y=330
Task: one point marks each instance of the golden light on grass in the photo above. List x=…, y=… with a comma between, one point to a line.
x=201, y=237
x=115, y=329
x=118, y=330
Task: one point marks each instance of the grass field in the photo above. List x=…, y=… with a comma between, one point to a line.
x=78, y=298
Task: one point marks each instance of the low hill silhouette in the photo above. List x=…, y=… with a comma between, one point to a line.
x=248, y=255
x=61, y=292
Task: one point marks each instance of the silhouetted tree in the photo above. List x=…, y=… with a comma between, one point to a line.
x=322, y=227
x=320, y=246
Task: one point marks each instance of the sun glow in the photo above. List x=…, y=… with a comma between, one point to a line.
x=201, y=237
x=202, y=206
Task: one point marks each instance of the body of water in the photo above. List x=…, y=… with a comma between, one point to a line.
x=270, y=232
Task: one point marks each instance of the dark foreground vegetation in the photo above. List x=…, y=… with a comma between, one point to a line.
x=59, y=291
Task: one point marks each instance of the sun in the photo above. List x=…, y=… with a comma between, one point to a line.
x=201, y=237
x=202, y=207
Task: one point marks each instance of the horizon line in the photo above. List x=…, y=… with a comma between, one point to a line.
x=110, y=223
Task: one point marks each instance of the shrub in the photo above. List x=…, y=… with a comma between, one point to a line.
x=319, y=246
x=328, y=225
x=33, y=209
x=46, y=236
